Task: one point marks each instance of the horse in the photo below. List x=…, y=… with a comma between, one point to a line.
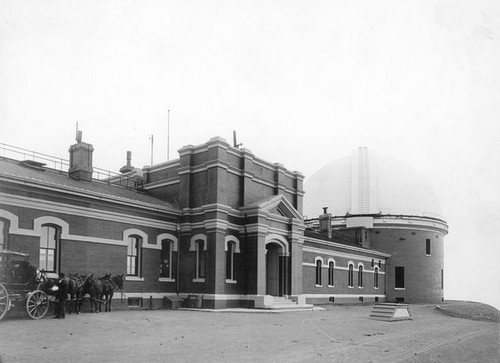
x=110, y=284
x=94, y=288
x=73, y=284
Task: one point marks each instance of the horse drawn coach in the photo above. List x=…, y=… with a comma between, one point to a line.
x=21, y=285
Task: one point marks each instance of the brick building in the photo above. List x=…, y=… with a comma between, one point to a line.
x=217, y=223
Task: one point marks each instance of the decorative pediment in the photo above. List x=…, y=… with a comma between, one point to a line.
x=276, y=204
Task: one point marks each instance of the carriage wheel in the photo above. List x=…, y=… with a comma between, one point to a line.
x=4, y=301
x=37, y=304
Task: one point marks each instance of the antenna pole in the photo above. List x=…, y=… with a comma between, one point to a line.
x=151, y=137
x=168, y=135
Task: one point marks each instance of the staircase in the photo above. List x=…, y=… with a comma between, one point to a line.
x=391, y=312
x=284, y=303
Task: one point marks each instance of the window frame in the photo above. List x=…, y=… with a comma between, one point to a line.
x=45, y=229
x=318, y=263
x=428, y=247
x=399, y=278
x=137, y=257
x=331, y=273
x=360, y=276
x=170, y=252
x=375, y=277
x=350, y=275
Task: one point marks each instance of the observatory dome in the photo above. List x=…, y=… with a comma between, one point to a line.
x=367, y=183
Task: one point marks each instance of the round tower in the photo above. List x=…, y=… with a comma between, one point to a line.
x=388, y=206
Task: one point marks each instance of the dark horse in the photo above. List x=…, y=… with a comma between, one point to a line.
x=73, y=284
x=111, y=283
x=101, y=291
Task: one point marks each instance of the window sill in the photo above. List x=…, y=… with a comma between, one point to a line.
x=360, y=287
x=376, y=288
x=318, y=285
x=399, y=288
x=428, y=255
x=134, y=278
x=331, y=285
x=166, y=279
x=199, y=280
x=230, y=281
x=350, y=287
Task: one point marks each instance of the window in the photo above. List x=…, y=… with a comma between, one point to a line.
x=400, y=277
x=166, y=258
x=49, y=242
x=375, y=278
x=200, y=259
x=428, y=247
x=331, y=268
x=360, y=276
x=133, y=255
x=442, y=279
x=319, y=264
x=230, y=260
x=350, y=276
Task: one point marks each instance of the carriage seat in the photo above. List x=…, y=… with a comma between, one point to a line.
x=19, y=272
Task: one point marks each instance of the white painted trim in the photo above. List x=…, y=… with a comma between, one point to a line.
x=318, y=258
x=197, y=237
x=339, y=254
x=232, y=239
x=32, y=203
x=40, y=221
x=134, y=278
x=343, y=295
x=400, y=288
x=229, y=281
x=165, y=279
x=169, y=236
x=280, y=240
x=310, y=264
x=137, y=232
x=199, y=280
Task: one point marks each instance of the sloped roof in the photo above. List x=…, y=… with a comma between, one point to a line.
x=45, y=177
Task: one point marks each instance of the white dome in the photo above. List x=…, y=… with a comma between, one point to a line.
x=364, y=183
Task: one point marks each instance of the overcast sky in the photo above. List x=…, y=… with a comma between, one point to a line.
x=302, y=82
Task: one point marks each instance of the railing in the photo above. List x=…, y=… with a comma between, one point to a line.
x=17, y=153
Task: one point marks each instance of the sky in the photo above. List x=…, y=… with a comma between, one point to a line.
x=301, y=82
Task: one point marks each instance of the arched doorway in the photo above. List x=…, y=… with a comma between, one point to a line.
x=272, y=269
x=277, y=268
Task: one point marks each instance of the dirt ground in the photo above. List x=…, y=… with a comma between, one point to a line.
x=336, y=334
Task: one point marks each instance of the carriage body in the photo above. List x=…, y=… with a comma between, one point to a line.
x=20, y=285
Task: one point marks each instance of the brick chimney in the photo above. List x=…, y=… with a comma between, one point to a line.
x=325, y=223
x=80, y=160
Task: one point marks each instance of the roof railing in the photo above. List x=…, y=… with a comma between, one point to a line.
x=53, y=162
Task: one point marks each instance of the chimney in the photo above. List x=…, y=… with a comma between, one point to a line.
x=80, y=160
x=128, y=167
x=325, y=223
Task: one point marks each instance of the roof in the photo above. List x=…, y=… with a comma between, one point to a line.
x=51, y=178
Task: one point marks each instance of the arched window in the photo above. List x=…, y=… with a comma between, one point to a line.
x=360, y=276
x=319, y=264
x=375, y=278
x=49, y=244
x=133, y=255
x=166, y=258
x=350, y=276
x=231, y=245
x=331, y=269
x=200, y=259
